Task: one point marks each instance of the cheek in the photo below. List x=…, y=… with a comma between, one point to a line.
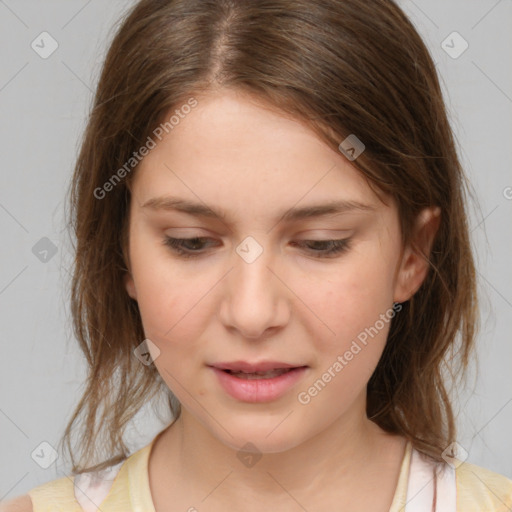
x=352, y=296
x=163, y=295
x=171, y=318
x=354, y=304
x=169, y=309
x=355, y=309
x=175, y=301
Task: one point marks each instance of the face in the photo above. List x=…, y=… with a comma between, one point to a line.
x=265, y=278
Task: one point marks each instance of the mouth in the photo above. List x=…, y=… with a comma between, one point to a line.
x=255, y=367
x=270, y=374
x=261, y=382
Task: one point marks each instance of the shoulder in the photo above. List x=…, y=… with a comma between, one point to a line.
x=53, y=496
x=19, y=504
x=75, y=493
x=479, y=488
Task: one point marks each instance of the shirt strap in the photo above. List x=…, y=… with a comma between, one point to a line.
x=431, y=487
x=92, y=488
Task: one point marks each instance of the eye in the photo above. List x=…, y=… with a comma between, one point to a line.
x=193, y=247
x=179, y=245
x=325, y=248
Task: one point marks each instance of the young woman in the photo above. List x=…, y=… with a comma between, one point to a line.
x=271, y=227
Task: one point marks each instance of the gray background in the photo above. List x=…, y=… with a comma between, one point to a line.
x=43, y=103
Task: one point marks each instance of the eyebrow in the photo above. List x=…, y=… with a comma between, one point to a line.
x=201, y=210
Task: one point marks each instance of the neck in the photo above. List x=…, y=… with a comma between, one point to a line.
x=340, y=457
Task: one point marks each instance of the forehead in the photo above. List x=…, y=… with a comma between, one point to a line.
x=233, y=150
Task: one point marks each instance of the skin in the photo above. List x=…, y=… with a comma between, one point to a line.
x=240, y=156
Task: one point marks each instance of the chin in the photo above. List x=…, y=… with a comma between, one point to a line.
x=257, y=440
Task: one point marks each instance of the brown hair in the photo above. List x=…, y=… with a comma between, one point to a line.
x=343, y=67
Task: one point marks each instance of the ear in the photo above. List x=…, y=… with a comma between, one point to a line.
x=413, y=266
x=130, y=285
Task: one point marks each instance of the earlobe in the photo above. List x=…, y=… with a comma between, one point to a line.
x=414, y=265
x=130, y=286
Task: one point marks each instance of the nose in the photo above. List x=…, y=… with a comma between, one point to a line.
x=255, y=299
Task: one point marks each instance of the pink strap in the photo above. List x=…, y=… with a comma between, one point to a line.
x=422, y=486
x=92, y=488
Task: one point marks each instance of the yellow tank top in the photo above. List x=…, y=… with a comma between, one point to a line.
x=467, y=488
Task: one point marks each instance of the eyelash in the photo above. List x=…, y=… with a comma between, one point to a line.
x=176, y=245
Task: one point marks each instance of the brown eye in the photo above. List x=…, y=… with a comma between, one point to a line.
x=325, y=248
x=186, y=247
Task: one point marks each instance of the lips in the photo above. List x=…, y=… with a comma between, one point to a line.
x=269, y=374
x=256, y=367
x=258, y=386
